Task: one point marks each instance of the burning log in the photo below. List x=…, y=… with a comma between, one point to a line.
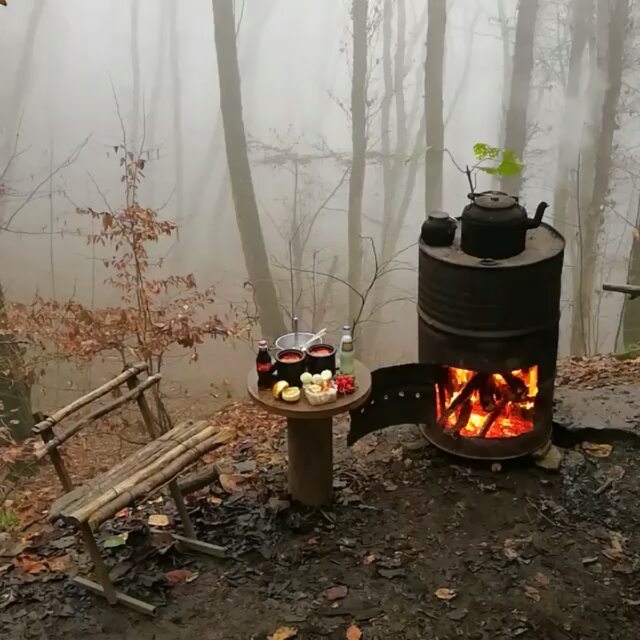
x=492, y=417
x=442, y=399
x=517, y=386
x=465, y=393
x=487, y=392
x=463, y=417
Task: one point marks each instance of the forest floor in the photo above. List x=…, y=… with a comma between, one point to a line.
x=416, y=545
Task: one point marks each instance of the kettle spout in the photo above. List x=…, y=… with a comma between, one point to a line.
x=534, y=222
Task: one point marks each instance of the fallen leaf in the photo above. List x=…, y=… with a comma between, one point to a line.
x=542, y=580
x=10, y=548
x=63, y=543
x=116, y=541
x=369, y=558
x=389, y=574
x=123, y=513
x=162, y=538
x=354, y=632
x=230, y=483
x=532, y=592
x=59, y=564
x=615, y=552
x=336, y=593
x=445, y=594
x=457, y=614
x=30, y=564
x=180, y=576
x=214, y=500
x=284, y=633
x=158, y=520
x=120, y=571
x=597, y=450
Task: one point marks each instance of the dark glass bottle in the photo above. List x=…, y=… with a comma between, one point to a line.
x=264, y=366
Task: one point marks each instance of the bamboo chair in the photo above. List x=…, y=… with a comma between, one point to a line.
x=136, y=478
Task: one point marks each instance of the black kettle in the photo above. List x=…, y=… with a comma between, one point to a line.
x=495, y=225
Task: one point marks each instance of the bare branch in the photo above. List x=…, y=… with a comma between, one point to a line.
x=71, y=158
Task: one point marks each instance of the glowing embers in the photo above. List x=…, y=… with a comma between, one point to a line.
x=486, y=405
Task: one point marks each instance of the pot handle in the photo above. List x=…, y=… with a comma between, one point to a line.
x=534, y=223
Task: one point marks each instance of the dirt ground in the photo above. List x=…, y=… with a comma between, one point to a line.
x=517, y=552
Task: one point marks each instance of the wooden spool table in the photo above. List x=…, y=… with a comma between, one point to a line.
x=310, y=436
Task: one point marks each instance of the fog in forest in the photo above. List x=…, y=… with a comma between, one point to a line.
x=346, y=139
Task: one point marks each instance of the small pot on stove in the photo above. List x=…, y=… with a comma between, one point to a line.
x=439, y=229
x=495, y=225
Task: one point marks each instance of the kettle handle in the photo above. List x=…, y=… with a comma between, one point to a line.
x=534, y=223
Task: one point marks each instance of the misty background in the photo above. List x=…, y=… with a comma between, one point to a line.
x=556, y=80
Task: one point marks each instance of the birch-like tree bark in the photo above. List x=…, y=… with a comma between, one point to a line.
x=358, y=149
x=434, y=103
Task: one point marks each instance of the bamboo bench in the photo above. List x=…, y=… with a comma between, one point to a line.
x=136, y=478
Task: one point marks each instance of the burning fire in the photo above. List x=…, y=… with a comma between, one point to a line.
x=485, y=405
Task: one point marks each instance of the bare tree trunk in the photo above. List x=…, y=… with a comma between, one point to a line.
x=359, y=148
x=22, y=77
x=612, y=19
x=516, y=121
x=176, y=89
x=252, y=32
x=507, y=65
x=135, y=74
x=9, y=124
x=629, y=329
x=253, y=246
x=434, y=103
x=582, y=17
x=385, y=119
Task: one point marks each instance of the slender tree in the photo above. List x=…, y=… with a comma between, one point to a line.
x=516, y=119
x=248, y=219
x=434, y=103
x=359, y=147
x=568, y=144
x=135, y=73
x=629, y=330
x=176, y=92
x=612, y=18
x=507, y=65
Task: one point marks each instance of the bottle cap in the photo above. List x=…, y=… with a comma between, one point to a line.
x=346, y=327
x=263, y=344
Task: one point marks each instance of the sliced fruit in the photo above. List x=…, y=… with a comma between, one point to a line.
x=278, y=388
x=291, y=394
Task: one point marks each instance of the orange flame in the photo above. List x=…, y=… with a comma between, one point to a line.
x=500, y=405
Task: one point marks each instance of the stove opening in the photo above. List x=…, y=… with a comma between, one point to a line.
x=475, y=404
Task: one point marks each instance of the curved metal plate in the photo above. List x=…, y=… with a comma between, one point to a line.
x=402, y=394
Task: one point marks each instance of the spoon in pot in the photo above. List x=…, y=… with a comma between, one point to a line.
x=320, y=334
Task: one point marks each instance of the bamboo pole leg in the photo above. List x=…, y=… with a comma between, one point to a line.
x=122, y=598
x=176, y=494
x=310, y=444
x=143, y=406
x=100, y=567
x=191, y=544
x=57, y=461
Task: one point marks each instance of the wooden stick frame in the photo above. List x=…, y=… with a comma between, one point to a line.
x=104, y=587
